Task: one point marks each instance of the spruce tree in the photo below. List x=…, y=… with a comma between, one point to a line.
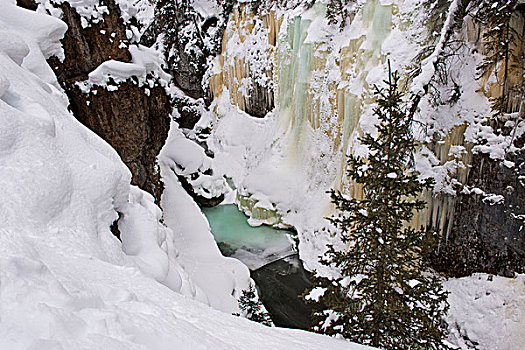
x=334, y=10
x=385, y=296
x=252, y=307
x=337, y=12
x=500, y=40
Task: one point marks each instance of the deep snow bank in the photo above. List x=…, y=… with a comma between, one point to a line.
x=487, y=312
x=65, y=175
x=65, y=281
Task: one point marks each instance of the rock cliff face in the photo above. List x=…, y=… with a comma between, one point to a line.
x=487, y=235
x=248, y=73
x=134, y=123
x=134, y=120
x=189, y=38
x=488, y=227
x=479, y=233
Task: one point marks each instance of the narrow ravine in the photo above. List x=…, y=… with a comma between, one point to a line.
x=272, y=257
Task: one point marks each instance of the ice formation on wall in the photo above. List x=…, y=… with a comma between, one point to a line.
x=321, y=78
x=323, y=81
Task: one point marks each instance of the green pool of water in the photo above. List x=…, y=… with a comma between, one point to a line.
x=275, y=265
x=255, y=246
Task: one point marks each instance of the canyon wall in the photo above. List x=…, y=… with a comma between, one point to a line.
x=321, y=83
x=306, y=91
x=133, y=118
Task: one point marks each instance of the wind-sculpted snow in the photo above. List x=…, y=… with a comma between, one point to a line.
x=186, y=158
x=58, y=178
x=221, y=278
x=65, y=281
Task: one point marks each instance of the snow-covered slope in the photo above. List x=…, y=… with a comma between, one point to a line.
x=487, y=312
x=59, y=177
x=65, y=281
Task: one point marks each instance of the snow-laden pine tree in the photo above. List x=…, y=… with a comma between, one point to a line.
x=188, y=40
x=252, y=308
x=385, y=296
x=337, y=12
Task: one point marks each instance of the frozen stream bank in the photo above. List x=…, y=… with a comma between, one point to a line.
x=272, y=258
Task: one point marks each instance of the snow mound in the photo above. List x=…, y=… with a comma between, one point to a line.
x=186, y=158
x=486, y=312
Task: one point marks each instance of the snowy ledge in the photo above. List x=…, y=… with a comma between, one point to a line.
x=144, y=61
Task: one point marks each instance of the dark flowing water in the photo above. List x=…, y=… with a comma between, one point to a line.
x=273, y=261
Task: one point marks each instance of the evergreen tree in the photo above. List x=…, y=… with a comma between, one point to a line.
x=337, y=12
x=500, y=40
x=252, y=307
x=188, y=40
x=227, y=6
x=384, y=297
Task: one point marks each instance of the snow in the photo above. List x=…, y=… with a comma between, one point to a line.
x=187, y=158
x=91, y=11
x=496, y=146
x=144, y=61
x=142, y=10
x=487, y=310
x=316, y=293
x=287, y=161
x=151, y=246
x=493, y=199
x=253, y=152
x=65, y=281
x=222, y=279
x=207, y=8
x=413, y=283
x=428, y=68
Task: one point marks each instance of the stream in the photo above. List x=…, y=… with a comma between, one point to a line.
x=273, y=260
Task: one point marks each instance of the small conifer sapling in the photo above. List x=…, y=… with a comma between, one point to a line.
x=252, y=308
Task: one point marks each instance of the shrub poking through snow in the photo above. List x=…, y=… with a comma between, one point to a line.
x=252, y=308
x=384, y=296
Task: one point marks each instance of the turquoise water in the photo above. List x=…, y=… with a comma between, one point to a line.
x=254, y=246
x=275, y=265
